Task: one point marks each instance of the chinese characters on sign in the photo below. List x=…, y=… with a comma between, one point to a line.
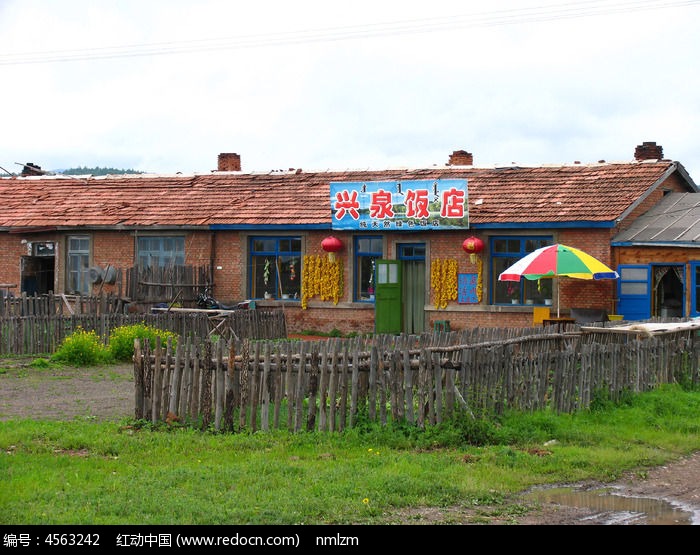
x=466, y=288
x=400, y=205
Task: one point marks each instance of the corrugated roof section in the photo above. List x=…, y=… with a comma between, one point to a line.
x=676, y=219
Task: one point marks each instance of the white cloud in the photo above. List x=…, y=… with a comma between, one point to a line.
x=323, y=85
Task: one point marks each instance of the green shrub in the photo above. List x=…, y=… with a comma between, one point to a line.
x=82, y=348
x=40, y=363
x=121, y=340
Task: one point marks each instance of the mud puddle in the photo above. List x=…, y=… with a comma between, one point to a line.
x=612, y=507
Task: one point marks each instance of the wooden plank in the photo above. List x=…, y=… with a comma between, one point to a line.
x=382, y=388
x=299, y=394
x=311, y=412
x=220, y=389
x=436, y=376
x=195, y=403
x=290, y=390
x=265, y=393
x=423, y=370
x=154, y=399
x=372, y=399
x=173, y=405
x=254, y=396
x=187, y=378
x=355, y=386
x=343, y=386
x=333, y=386
x=244, y=375
x=139, y=361
x=408, y=386
x=206, y=389
x=278, y=376
x=230, y=386
x=323, y=392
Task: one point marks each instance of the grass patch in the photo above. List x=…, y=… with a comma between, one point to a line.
x=88, y=472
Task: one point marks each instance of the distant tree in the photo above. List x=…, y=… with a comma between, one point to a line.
x=96, y=171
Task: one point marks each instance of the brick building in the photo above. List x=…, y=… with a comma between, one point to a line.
x=261, y=236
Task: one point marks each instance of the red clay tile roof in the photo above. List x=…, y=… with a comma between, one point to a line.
x=593, y=193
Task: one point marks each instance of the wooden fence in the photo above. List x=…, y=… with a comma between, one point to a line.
x=329, y=385
x=41, y=335
x=155, y=284
x=56, y=305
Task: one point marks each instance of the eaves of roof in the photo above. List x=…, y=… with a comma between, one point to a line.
x=546, y=196
x=658, y=244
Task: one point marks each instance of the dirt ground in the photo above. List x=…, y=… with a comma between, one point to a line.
x=69, y=393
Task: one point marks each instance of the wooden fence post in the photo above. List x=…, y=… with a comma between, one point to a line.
x=230, y=386
x=313, y=388
x=220, y=381
x=205, y=394
x=139, y=364
x=265, y=390
x=372, y=392
x=299, y=394
x=323, y=389
x=244, y=390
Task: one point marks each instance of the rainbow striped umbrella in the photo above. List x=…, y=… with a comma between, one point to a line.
x=557, y=261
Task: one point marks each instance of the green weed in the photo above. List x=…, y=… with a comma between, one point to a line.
x=121, y=339
x=82, y=348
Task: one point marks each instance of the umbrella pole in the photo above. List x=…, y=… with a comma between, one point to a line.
x=557, y=297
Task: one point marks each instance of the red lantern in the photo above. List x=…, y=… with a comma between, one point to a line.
x=472, y=246
x=331, y=245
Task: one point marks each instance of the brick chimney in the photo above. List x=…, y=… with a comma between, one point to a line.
x=648, y=150
x=31, y=169
x=461, y=158
x=229, y=162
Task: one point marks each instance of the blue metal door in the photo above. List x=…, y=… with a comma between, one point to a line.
x=634, y=291
x=695, y=289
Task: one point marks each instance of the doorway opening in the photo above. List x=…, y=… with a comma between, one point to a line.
x=668, y=291
x=38, y=270
x=412, y=257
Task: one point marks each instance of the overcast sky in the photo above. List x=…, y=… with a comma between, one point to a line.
x=166, y=85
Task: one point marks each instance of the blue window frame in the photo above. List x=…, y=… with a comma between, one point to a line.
x=506, y=251
x=695, y=291
x=411, y=251
x=367, y=248
x=275, y=267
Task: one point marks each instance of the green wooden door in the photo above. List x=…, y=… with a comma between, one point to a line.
x=387, y=300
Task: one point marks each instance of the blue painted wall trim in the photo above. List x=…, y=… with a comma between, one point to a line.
x=692, y=244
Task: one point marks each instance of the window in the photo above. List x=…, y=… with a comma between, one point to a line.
x=506, y=251
x=275, y=267
x=367, y=250
x=77, y=265
x=411, y=251
x=43, y=249
x=164, y=252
